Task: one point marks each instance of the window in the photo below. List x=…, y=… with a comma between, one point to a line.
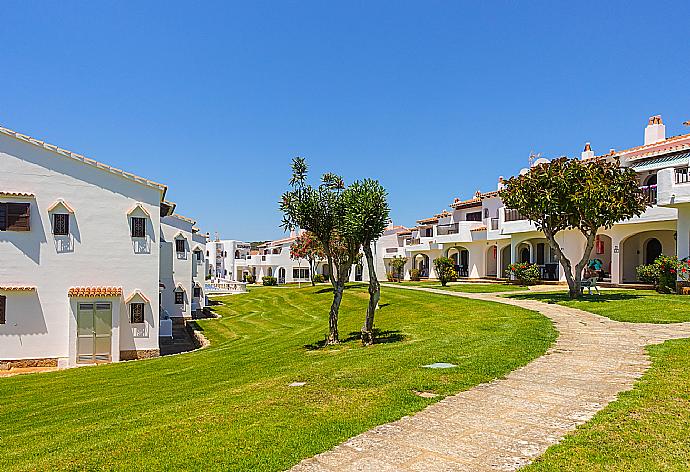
x=60, y=224
x=136, y=311
x=207, y=254
x=474, y=216
x=298, y=273
x=15, y=216
x=199, y=255
x=197, y=292
x=138, y=227
x=486, y=212
x=179, y=298
x=3, y=304
x=179, y=245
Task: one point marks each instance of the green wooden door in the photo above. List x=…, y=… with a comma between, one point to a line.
x=94, y=332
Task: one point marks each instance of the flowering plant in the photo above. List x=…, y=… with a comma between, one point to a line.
x=663, y=273
x=524, y=273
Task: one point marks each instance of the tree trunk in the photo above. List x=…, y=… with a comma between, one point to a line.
x=374, y=297
x=338, y=288
x=574, y=280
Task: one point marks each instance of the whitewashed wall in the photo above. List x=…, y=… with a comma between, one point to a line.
x=99, y=251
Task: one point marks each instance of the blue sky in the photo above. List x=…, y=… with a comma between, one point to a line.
x=434, y=98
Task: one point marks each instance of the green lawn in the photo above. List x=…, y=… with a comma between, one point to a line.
x=229, y=407
x=636, y=306
x=467, y=287
x=647, y=428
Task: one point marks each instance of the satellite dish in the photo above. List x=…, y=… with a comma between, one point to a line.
x=524, y=170
x=540, y=161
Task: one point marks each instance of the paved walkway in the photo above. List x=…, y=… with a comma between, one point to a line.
x=505, y=424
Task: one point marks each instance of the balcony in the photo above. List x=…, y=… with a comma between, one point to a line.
x=444, y=230
x=650, y=194
x=493, y=224
x=513, y=215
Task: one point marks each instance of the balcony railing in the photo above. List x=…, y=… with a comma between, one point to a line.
x=391, y=250
x=649, y=193
x=494, y=224
x=447, y=229
x=414, y=241
x=682, y=175
x=513, y=215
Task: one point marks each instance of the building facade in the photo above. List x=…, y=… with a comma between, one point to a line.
x=483, y=237
x=81, y=245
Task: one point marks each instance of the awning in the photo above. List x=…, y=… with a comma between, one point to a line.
x=674, y=160
x=95, y=292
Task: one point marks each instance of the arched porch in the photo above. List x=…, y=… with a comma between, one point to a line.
x=461, y=259
x=643, y=248
x=492, y=261
x=420, y=261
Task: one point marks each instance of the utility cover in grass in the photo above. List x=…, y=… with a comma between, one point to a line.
x=440, y=365
x=297, y=384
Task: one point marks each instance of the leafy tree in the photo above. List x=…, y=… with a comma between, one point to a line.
x=573, y=194
x=321, y=210
x=445, y=270
x=308, y=247
x=366, y=218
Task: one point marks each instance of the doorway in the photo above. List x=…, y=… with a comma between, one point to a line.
x=94, y=332
x=653, y=250
x=281, y=275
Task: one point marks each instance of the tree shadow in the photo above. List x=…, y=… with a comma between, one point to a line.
x=380, y=337
x=604, y=297
x=330, y=289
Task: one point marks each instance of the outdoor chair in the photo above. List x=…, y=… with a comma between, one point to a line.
x=590, y=284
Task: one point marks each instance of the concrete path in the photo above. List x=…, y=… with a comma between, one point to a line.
x=505, y=424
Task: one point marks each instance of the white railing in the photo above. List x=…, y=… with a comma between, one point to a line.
x=221, y=286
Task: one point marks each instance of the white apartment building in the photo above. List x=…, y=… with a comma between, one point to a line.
x=79, y=245
x=226, y=259
x=95, y=263
x=484, y=237
x=182, y=267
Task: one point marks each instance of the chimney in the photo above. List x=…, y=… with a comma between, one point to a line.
x=655, y=131
x=500, y=183
x=292, y=233
x=587, y=153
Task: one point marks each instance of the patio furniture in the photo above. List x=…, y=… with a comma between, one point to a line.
x=590, y=284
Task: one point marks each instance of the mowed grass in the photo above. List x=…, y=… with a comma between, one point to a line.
x=229, y=407
x=635, y=306
x=647, y=428
x=467, y=287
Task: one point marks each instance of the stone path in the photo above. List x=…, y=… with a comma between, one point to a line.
x=505, y=424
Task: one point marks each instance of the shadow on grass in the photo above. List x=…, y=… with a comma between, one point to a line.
x=563, y=297
x=330, y=289
x=380, y=337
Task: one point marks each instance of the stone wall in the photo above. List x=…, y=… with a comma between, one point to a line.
x=140, y=354
x=23, y=363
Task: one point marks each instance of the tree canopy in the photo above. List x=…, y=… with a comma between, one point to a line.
x=569, y=194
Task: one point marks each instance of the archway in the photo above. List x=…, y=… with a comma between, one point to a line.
x=643, y=248
x=281, y=275
x=505, y=261
x=492, y=261
x=270, y=271
x=600, y=257
x=461, y=260
x=421, y=262
x=325, y=271
x=359, y=270
x=652, y=250
x=524, y=254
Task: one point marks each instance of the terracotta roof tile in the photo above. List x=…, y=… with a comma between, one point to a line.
x=16, y=194
x=478, y=228
x=95, y=292
x=17, y=288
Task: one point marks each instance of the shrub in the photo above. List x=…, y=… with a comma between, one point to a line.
x=445, y=270
x=318, y=278
x=524, y=273
x=269, y=280
x=398, y=268
x=414, y=274
x=250, y=278
x=663, y=273
x=390, y=277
